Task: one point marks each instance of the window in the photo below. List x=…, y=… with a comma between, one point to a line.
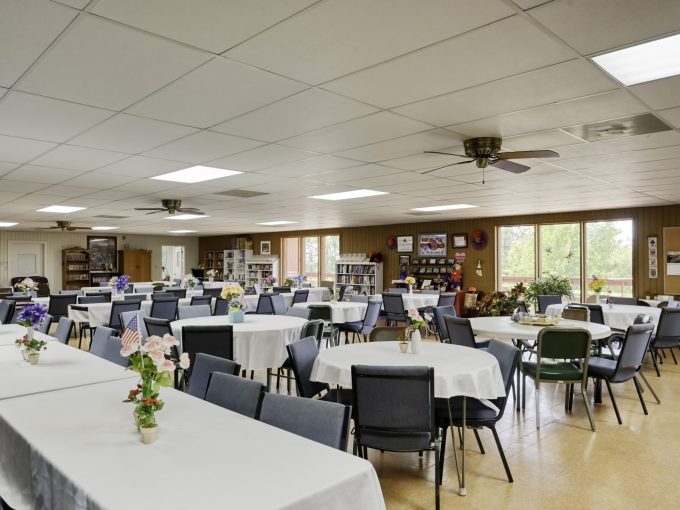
x=313, y=256
x=516, y=255
x=560, y=253
x=609, y=255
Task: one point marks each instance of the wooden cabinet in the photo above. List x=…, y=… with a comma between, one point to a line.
x=136, y=263
x=76, y=268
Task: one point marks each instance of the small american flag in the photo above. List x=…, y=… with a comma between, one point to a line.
x=131, y=335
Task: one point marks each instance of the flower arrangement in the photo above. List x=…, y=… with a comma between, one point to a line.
x=189, y=281
x=30, y=344
x=212, y=273
x=299, y=279
x=410, y=280
x=155, y=371
x=288, y=282
x=236, y=304
x=418, y=321
x=231, y=291
x=120, y=283
x=270, y=280
x=26, y=285
x=32, y=315
x=597, y=284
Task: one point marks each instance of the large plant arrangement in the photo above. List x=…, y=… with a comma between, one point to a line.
x=548, y=285
x=500, y=303
x=27, y=285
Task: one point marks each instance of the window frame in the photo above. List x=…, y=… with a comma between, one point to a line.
x=321, y=243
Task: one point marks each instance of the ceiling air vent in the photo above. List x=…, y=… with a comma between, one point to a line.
x=241, y=193
x=618, y=128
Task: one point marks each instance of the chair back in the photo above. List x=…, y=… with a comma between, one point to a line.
x=522, y=306
x=221, y=307
x=161, y=295
x=358, y=298
x=397, y=290
x=178, y=293
x=212, y=292
x=440, y=313
x=129, y=289
x=508, y=361
x=393, y=303
x=216, y=340
x=460, y=332
x=394, y=405
x=563, y=343
x=281, y=290
x=641, y=302
x=188, y=312
x=313, y=328
x=576, y=313
x=264, y=304
x=201, y=300
x=164, y=308
x=78, y=292
x=386, y=334
x=302, y=355
x=63, y=331
x=278, y=305
x=106, y=294
x=633, y=351
x=344, y=289
x=99, y=339
x=58, y=306
x=134, y=297
x=544, y=301
x=126, y=318
x=448, y=300
x=237, y=394
x=118, y=307
x=625, y=301
x=86, y=300
x=143, y=289
x=323, y=312
x=110, y=351
x=596, y=313
x=204, y=365
x=324, y=422
x=371, y=317
x=303, y=313
x=46, y=324
x=157, y=327
x=6, y=310
x=668, y=329
x=300, y=296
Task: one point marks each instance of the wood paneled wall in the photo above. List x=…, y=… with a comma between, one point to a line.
x=646, y=221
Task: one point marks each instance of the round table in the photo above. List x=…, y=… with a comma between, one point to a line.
x=98, y=314
x=341, y=311
x=619, y=316
x=503, y=328
x=419, y=300
x=259, y=342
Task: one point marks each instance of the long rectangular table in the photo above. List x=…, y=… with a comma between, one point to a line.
x=79, y=448
x=10, y=332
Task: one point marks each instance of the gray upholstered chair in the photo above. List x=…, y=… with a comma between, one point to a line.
x=188, y=312
x=460, y=332
x=107, y=346
x=440, y=313
x=201, y=300
x=204, y=365
x=235, y=393
x=126, y=317
x=279, y=305
x=303, y=313
x=64, y=328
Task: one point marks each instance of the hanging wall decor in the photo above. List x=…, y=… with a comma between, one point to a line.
x=652, y=256
x=479, y=239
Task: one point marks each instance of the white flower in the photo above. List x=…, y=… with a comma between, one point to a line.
x=169, y=340
x=165, y=365
x=153, y=343
x=184, y=361
x=129, y=349
x=428, y=317
x=413, y=314
x=157, y=356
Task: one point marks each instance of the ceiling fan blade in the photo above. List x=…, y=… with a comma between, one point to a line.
x=510, y=166
x=527, y=154
x=190, y=210
x=446, y=166
x=150, y=209
x=447, y=154
x=153, y=211
x=48, y=228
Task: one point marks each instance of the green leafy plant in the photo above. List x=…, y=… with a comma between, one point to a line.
x=500, y=303
x=550, y=284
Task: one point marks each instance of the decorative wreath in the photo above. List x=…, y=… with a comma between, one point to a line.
x=392, y=243
x=479, y=239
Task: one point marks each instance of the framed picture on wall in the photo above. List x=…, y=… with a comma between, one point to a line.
x=103, y=253
x=432, y=245
x=404, y=260
x=404, y=244
x=459, y=240
x=415, y=262
x=265, y=247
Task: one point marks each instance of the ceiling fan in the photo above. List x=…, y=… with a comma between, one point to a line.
x=484, y=152
x=172, y=206
x=64, y=225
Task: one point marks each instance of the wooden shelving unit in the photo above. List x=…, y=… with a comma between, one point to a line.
x=258, y=267
x=365, y=277
x=213, y=260
x=75, y=268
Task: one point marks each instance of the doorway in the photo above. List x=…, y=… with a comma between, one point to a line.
x=173, y=262
x=25, y=259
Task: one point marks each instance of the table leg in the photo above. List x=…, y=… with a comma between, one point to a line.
x=462, y=491
x=453, y=441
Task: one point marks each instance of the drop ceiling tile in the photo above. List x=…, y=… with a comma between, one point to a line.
x=451, y=65
x=201, y=147
x=21, y=150
x=529, y=4
x=105, y=64
x=358, y=132
x=27, y=27
x=309, y=110
x=351, y=175
x=659, y=94
x=551, y=84
x=41, y=174
x=606, y=24
x=604, y=106
x=140, y=166
x=73, y=157
x=77, y=4
x=239, y=181
x=672, y=116
x=100, y=180
x=20, y=186
x=542, y=140
x=378, y=183
x=261, y=157
x=6, y=168
x=127, y=133
x=424, y=161
x=144, y=187
x=215, y=92
x=311, y=166
x=379, y=31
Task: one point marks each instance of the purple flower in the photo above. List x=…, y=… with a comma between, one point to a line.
x=121, y=282
x=32, y=315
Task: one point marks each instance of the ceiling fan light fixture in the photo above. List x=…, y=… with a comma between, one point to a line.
x=194, y=174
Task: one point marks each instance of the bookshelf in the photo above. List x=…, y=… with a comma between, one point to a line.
x=366, y=277
x=258, y=267
x=214, y=260
x=75, y=268
x=235, y=265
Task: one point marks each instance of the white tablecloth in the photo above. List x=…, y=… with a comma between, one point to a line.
x=502, y=328
x=10, y=332
x=251, y=300
x=342, y=311
x=60, y=367
x=79, y=448
x=619, y=316
x=98, y=314
x=419, y=300
x=652, y=302
x=259, y=342
x=457, y=370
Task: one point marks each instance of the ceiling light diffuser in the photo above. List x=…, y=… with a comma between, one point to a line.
x=443, y=207
x=60, y=209
x=7, y=224
x=194, y=174
x=182, y=231
x=185, y=216
x=644, y=62
x=345, y=195
x=104, y=228
x=274, y=223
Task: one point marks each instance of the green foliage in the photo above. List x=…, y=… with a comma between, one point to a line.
x=550, y=284
x=500, y=303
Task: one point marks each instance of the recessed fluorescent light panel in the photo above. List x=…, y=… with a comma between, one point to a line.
x=196, y=174
x=443, y=207
x=346, y=195
x=275, y=223
x=7, y=224
x=104, y=228
x=185, y=216
x=181, y=231
x=60, y=209
x=645, y=62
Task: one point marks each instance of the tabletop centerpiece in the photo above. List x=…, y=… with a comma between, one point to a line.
x=31, y=316
x=212, y=273
x=27, y=286
x=119, y=284
x=155, y=371
x=189, y=281
x=298, y=280
x=269, y=281
x=410, y=281
x=417, y=322
x=596, y=286
x=237, y=307
x=403, y=341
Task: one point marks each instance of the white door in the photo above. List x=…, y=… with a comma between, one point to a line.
x=173, y=261
x=25, y=259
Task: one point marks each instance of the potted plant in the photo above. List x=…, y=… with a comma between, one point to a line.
x=410, y=281
x=27, y=286
x=403, y=341
x=212, y=273
x=31, y=348
x=548, y=285
x=189, y=281
x=299, y=279
x=596, y=286
x=31, y=316
x=269, y=281
x=234, y=295
x=500, y=303
x=288, y=282
x=119, y=283
x=417, y=322
x=155, y=371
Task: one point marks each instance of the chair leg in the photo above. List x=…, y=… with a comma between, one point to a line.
x=479, y=441
x=638, y=387
x=502, y=453
x=613, y=399
x=538, y=407
x=524, y=392
x=649, y=386
x=673, y=356
x=441, y=454
x=585, y=402
x=288, y=379
x=656, y=366
x=437, y=476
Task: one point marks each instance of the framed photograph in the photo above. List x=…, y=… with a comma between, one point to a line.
x=103, y=253
x=432, y=261
x=459, y=240
x=265, y=247
x=429, y=270
x=432, y=245
x=404, y=260
x=422, y=270
x=442, y=262
x=404, y=244
x=423, y=261
x=415, y=262
x=450, y=261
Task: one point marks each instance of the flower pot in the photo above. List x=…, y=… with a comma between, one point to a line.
x=597, y=298
x=24, y=354
x=416, y=342
x=33, y=358
x=30, y=333
x=211, y=279
x=410, y=289
x=236, y=317
x=149, y=433
x=403, y=347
